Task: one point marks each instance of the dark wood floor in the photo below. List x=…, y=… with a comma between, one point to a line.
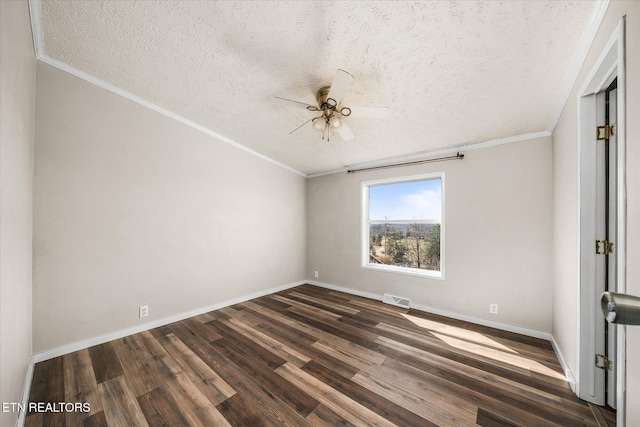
x=311, y=356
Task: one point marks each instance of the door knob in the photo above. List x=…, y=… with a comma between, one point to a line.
x=622, y=309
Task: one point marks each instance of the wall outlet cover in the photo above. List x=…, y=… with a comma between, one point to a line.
x=144, y=311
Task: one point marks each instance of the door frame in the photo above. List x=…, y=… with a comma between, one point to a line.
x=609, y=66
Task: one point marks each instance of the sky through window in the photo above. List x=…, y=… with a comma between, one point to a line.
x=406, y=200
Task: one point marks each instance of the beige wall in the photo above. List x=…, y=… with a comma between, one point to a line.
x=17, y=106
x=133, y=208
x=497, y=236
x=565, y=168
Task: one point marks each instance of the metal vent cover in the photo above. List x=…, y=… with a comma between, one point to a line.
x=395, y=300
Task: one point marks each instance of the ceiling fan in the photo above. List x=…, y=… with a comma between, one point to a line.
x=332, y=111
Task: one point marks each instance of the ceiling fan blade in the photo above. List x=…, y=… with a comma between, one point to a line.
x=345, y=132
x=339, y=86
x=301, y=126
x=291, y=103
x=370, y=112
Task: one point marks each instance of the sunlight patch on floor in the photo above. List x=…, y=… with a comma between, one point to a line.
x=500, y=356
x=457, y=332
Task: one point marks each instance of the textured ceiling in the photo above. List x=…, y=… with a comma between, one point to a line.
x=452, y=73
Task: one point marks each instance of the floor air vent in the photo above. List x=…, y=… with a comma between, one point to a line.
x=399, y=301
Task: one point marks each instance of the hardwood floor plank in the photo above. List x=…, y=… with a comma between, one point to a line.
x=297, y=306
x=202, y=329
x=368, y=332
x=268, y=343
x=247, y=346
x=134, y=357
x=604, y=416
x=80, y=385
x=203, y=375
x=418, y=399
x=184, y=372
x=204, y=318
x=37, y=420
x=328, y=331
x=296, y=398
x=229, y=312
x=271, y=304
x=322, y=293
x=489, y=419
x=239, y=412
x=353, y=358
x=519, y=368
x=195, y=397
x=48, y=381
x=323, y=303
x=542, y=382
x=484, y=393
x=376, y=307
x=105, y=362
x=384, y=407
x=411, y=378
x=322, y=416
x=285, y=320
x=47, y=387
x=308, y=350
x=279, y=327
x=120, y=405
x=263, y=401
x=96, y=420
x=286, y=334
x=195, y=405
x=161, y=410
x=342, y=405
x=510, y=337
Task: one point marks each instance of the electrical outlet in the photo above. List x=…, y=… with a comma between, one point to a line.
x=315, y=274
x=144, y=310
x=493, y=309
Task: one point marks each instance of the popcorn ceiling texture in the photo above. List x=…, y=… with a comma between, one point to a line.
x=452, y=72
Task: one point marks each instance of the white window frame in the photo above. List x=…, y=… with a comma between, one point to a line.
x=365, y=227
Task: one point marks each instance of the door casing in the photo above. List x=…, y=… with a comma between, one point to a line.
x=589, y=382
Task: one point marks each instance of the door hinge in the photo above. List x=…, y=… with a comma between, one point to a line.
x=603, y=362
x=603, y=247
x=604, y=132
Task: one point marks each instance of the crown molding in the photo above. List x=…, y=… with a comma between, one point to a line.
x=35, y=13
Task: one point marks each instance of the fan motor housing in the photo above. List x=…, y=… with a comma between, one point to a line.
x=321, y=95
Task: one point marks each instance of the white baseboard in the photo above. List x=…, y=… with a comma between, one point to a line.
x=26, y=391
x=571, y=379
x=70, y=348
x=458, y=316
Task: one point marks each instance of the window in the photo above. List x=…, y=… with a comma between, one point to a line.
x=402, y=225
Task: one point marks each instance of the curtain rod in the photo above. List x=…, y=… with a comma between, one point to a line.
x=458, y=156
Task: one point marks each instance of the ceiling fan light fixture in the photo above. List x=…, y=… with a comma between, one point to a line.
x=319, y=123
x=335, y=121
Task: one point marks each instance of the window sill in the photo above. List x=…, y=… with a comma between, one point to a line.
x=427, y=274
